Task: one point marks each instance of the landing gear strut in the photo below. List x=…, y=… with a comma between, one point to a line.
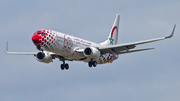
x=92, y=63
x=64, y=66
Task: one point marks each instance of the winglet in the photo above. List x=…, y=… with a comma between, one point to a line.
x=172, y=32
x=6, y=47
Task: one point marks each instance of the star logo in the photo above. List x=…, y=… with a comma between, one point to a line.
x=111, y=37
x=111, y=41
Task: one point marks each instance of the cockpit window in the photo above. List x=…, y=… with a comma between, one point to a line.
x=40, y=33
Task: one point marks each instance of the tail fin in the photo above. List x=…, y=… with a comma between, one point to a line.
x=113, y=35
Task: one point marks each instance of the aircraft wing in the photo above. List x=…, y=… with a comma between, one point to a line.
x=131, y=51
x=60, y=57
x=19, y=53
x=127, y=46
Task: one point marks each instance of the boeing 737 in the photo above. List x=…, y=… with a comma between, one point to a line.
x=52, y=44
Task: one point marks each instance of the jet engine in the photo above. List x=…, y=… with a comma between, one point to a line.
x=91, y=52
x=44, y=57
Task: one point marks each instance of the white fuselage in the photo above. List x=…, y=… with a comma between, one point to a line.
x=66, y=45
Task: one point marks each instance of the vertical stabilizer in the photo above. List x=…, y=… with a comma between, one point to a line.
x=113, y=35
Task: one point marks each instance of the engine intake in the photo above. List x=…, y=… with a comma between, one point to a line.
x=88, y=51
x=44, y=57
x=40, y=55
x=91, y=52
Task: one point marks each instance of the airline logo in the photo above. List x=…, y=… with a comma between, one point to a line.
x=68, y=43
x=111, y=39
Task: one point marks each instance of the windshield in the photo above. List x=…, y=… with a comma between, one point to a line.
x=40, y=33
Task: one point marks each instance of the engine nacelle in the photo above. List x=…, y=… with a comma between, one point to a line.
x=91, y=52
x=44, y=57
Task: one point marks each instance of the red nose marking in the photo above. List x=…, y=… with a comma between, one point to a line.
x=36, y=39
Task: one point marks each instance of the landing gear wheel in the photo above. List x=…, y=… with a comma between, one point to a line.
x=62, y=66
x=94, y=63
x=66, y=66
x=90, y=64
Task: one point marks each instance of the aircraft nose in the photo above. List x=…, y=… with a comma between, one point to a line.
x=36, y=39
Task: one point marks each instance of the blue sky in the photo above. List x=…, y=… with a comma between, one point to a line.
x=143, y=76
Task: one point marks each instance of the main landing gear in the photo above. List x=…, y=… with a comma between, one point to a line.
x=92, y=63
x=64, y=66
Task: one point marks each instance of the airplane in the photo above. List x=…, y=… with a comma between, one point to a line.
x=52, y=44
